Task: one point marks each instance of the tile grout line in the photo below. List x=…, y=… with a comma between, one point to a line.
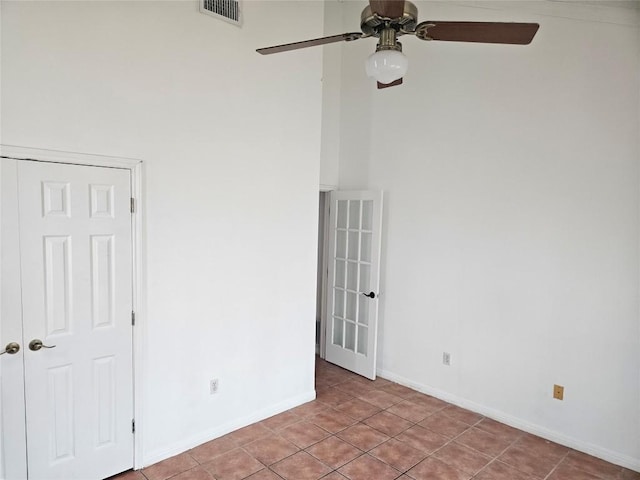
x=557, y=465
x=495, y=459
x=432, y=454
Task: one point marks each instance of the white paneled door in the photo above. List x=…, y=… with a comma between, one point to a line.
x=353, y=281
x=76, y=289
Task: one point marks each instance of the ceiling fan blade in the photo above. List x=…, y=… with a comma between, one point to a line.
x=344, y=37
x=482, y=32
x=392, y=84
x=387, y=8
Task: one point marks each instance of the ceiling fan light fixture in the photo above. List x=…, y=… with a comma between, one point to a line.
x=387, y=66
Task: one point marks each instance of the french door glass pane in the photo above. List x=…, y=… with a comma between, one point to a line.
x=367, y=214
x=352, y=305
x=352, y=276
x=341, y=244
x=354, y=214
x=338, y=302
x=363, y=310
x=350, y=336
x=365, y=278
x=365, y=247
x=362, y=339
x=340, y=280
x=342, y=213
x=353, y=245
x=338, y=327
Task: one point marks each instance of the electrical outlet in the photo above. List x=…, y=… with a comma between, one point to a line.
x=558, y=392
x=446, y=358
x=213, y=386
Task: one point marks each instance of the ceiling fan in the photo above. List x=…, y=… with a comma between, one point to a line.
x=387, y=20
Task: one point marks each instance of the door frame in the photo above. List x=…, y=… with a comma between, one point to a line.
x=326, y=189
x=135, y=166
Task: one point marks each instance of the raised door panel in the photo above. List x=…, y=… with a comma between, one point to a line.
x=60, y=414
x=102, y=280
x=57, y=284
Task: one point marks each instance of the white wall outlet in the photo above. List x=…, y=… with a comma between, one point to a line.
x=446, y=358
x=213, y=386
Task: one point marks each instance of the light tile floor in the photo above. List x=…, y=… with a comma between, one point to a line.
x=357, y=429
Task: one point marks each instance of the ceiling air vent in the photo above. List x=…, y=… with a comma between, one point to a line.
x=227, y=10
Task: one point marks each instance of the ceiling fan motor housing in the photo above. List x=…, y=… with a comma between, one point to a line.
x=372, y=24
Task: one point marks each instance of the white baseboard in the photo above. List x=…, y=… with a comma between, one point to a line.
x=557, y=437
x=191, y=442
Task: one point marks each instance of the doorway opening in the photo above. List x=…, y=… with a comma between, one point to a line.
x=321, y=295
x=349, y=234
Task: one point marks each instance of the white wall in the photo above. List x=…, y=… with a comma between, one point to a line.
x=331, y=96
x=512, y=235
x=231, y=148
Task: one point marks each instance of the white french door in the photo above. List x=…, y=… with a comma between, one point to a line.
x=355, y=219
x=75, y=283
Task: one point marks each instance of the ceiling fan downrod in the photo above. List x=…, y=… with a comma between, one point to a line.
x=388, y=40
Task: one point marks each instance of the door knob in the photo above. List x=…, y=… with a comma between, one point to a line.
x=370, y=295
x=36, y=345
x=11, y=348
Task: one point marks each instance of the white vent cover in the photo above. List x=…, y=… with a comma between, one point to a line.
x=227, y=10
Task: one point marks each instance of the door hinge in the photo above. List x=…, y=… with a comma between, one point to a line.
x=133, y=318
x=133, y=425
x=133, y=205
